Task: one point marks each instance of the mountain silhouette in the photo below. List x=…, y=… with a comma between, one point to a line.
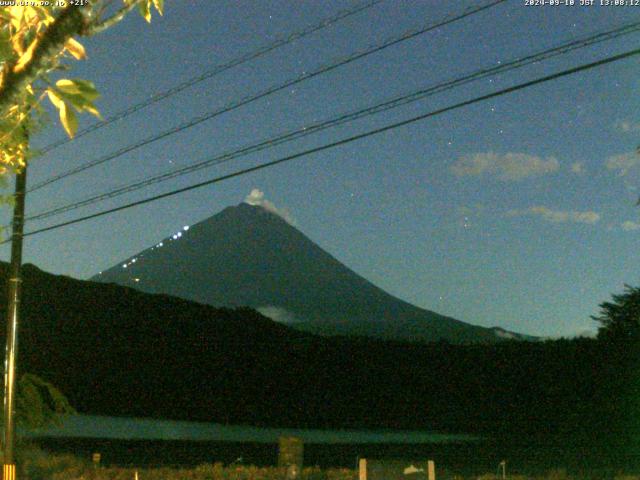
x=115, y=350
x=249, y=256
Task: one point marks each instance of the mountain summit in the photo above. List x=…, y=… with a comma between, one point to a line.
x=249, y=256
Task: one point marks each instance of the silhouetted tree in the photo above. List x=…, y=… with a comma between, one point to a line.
x=620, y=318
x=39, y=403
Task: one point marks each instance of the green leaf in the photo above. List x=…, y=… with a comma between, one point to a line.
x=145, y=10
x=82, y=88
x=6, y=50
x=87, y=88
x=73, y=93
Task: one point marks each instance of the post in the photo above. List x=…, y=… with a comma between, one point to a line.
x=290, y=456
x=14, y=284
x=431, y=470
x=362, y=469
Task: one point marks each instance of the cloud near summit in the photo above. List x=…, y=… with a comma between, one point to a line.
x=507, y=167
x=558, y=216
x=256, y=197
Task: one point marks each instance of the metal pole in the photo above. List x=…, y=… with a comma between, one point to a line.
x=14, y=281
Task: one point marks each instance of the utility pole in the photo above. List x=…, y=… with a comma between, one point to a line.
x=14, y=284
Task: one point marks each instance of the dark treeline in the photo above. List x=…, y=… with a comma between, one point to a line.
x=113, y=350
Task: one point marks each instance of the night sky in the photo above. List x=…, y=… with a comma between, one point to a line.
x=516, y=212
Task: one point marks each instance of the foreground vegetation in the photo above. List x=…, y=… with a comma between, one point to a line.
x=38, y=465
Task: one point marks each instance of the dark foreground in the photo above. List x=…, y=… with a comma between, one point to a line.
x=528, y=457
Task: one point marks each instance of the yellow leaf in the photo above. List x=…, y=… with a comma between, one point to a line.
x=16, y=43
x=92, y=110
x=67, y=116
x=78, y=93
x=145, y=11
x=76, y=49
x=159, y=4
x=26, y=57
x=16, y=16
x=31, y=16
x=55, y=98
x=68, y=86
x=68, y=119
x=44, y=15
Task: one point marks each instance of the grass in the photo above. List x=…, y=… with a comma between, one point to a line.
x=38, y=465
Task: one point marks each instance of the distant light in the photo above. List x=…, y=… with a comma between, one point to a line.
x=179, y=234
x=137, y=279
x=185, y=228
x=133, y=261
x=124, y=265
x=160, y=244
x=99, y=273
x=175, y=237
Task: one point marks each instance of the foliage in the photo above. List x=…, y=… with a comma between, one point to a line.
x=557, y=474
x=37, y=465
x=39, y=403
x=40, y=466
x=620, y=318
x=36, y=41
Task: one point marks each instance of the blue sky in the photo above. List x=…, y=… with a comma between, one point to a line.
x=517, y=212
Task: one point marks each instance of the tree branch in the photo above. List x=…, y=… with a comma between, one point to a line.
x=69, y=22
x=112, y=20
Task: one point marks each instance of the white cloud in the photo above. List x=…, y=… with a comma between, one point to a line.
x=504, y=334
x=558, y=216
x=507, y=167
x=629, y=226
x=626, y=126
x=256, y=197
x=623, y=163
x=277, y=314
x=577, y=168
x=627, y=167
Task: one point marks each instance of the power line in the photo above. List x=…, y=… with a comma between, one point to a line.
x=344, y=118
x=249, y=99
x=279, y=42
x=344, y=141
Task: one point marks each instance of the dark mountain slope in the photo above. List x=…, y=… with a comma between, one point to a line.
x=247, y=256
x=117, y=351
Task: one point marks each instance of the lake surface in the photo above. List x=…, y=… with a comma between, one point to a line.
x=139, y=442
x=94, y=426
